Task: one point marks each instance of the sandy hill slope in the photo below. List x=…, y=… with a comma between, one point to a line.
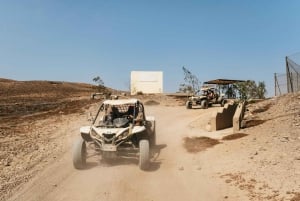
x=268, y=158
x=21, y=98
x=15, y=91
x=23, y=106
x=38, y=120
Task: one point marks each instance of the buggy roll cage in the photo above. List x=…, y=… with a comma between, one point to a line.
x=135, y=102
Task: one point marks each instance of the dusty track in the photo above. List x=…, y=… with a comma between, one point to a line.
x=235, y=169
x=175, y=174
x=259, y=163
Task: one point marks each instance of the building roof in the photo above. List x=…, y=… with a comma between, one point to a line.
x=223, y=81
x=121, y=101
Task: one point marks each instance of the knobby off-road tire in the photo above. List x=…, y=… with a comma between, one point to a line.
x=188, y=105
x=153, y=135
x=204, y=104
x=79, y=154
x=144, y=154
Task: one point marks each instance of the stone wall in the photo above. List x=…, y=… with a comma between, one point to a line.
x=238, y=116
x=223, y=118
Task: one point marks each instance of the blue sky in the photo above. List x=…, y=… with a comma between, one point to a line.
x=78, y=40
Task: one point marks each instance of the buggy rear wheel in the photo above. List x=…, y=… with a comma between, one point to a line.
x=79, y=154
x=144, y=154
x=152, y=137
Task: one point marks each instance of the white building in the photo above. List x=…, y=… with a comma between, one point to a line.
x=146, y=82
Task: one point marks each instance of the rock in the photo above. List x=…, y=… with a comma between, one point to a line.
x=284, y=139
x=6, y=163
x=262, y=149
x=181, y=168
x=208, y=127
x=228, y=181
x=297, y=158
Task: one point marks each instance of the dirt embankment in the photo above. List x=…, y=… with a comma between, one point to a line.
x=26, y=108
x=274, y=132
x=18, y=98
x=32, y=114
x=262, y=161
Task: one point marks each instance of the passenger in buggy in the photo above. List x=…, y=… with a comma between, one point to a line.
x=111, y=113
x=115, y=112
x=134, y=114
x=130, y=111
x=211, y=94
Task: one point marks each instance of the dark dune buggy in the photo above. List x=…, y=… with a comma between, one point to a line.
x=119, y=129
x=207, y=97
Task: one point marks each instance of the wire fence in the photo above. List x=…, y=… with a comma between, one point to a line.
x=293, y=75
x=290, y=81
x=280, y=84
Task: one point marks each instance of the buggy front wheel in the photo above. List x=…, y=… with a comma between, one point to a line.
x=144, y=154
x=79, y=154
x=188, y=105
x=204, y=104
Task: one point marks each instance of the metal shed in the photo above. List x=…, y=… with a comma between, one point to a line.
x=223, y=81
x=226, y=83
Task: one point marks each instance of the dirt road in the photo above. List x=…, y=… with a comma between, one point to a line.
x=175, y=174
x=40, y=120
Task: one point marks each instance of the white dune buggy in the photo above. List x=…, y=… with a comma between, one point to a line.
x=208, y=96
x=119, y=129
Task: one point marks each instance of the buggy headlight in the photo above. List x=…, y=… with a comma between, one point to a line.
x=95, y=135
x=123, y=135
